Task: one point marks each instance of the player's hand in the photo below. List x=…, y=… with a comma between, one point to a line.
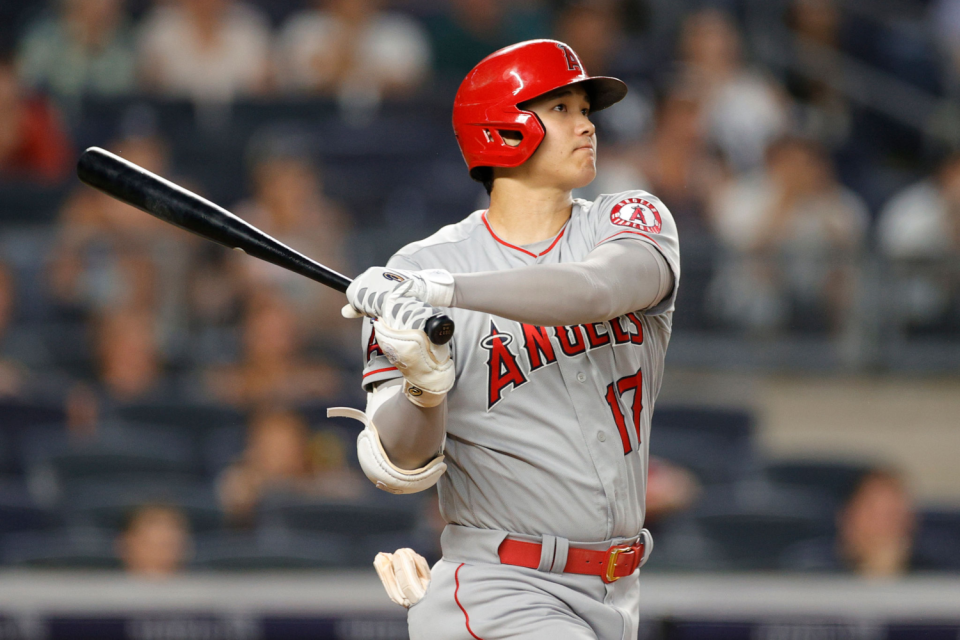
x=427, y=368
x=405, y=575
x=367, y=293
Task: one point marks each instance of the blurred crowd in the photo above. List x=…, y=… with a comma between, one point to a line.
x=326, y=124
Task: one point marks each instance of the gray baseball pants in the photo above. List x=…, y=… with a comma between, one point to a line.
x=473, y=597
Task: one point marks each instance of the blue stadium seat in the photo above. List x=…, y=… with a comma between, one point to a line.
x=751, y=525
x=65, y=549
x=120, y=453
x=341, y=517
x=26, y=204
x=716, y=444
x=836, y=479
x=938, y=540
x=216, y=432
x=680, y=545
x=187, y=417
x=19, y=511
x=271, y=549
x=107, y=506
x=15, y=414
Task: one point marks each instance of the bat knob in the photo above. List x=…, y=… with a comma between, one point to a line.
x=439, y=329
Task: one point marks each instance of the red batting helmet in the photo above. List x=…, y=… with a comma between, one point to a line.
x=487, y=100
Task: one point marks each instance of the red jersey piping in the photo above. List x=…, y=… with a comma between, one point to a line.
x=521, y=249
x=466, y=617
x=379, y=371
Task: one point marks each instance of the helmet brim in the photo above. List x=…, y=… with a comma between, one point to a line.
x=604, y=91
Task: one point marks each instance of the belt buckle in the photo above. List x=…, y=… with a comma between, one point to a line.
x=611, y=562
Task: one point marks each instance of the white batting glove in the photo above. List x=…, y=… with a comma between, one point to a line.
x=367, y=293
x=405, y=575
x=427, y=368
x=433, y=286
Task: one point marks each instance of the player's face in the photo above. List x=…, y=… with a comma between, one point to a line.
x=567, y=157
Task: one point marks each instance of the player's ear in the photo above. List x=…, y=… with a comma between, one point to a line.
x=511, y=138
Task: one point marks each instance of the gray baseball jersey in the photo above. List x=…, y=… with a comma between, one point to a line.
x=548, y=427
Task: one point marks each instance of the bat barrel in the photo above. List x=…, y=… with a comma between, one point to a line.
x=171, y=203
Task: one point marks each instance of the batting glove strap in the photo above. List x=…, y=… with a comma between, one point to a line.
x=433, y=286
x=378, y=467
x=427, y=368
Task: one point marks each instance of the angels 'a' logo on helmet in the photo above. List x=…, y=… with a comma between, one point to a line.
x=637, y=213
x=572, y=63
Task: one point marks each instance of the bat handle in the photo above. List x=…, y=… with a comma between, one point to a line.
x=439, y=329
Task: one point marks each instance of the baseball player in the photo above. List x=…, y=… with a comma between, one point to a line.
x=535, y=419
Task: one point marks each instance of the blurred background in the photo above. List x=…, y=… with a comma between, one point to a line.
x=166, y=467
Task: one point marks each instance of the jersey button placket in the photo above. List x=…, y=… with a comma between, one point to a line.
x=581, y=376
x=601, y=436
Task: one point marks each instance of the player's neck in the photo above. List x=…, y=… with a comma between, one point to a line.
x=523, y=215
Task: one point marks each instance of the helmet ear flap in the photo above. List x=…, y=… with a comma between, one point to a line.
x=489, y=95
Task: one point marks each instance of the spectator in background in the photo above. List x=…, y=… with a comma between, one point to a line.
x=876, y=534
x=352, y=48
x=11, y=372
x=33, y=144
x=288, y=203
x=282, y=456
x=155, y=543
x=209, y=51
x=470, y=30
x=273, y=368
x=822, y=111
x=670, y=489
x=129, y=366
x=945, y=25
x=743, y=109
x=594, y=29
x=788, y=231
x=675, y=162
x=919, y=229
x=85, y=48
x=875, y=528
x=109, y=255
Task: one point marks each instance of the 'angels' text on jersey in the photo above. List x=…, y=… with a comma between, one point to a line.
x=548, y=427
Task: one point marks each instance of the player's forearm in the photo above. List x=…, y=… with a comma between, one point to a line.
x=614, y=279
x=410, y=435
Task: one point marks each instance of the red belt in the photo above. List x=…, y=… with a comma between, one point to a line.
x=611, y=565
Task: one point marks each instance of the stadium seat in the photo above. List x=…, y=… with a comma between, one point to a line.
x=19, y=511
x=107, y=505
x=340, y=517
x=181, y=416
x=215, y=432
x=25, y=204
x=753, y=524
x=65, y=549
x=683, y=547
x=835, y=479
x=15, y=414
x=120, y=453
x=716, y=444
x=270, y=549
x=938, y=540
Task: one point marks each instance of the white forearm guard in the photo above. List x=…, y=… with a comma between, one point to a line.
x=375, y=464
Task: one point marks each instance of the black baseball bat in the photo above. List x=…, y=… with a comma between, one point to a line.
x=172, y=203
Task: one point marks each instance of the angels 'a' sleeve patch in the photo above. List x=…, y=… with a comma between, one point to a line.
x=637, y=213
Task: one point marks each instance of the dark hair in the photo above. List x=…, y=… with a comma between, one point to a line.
x=483, y=175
